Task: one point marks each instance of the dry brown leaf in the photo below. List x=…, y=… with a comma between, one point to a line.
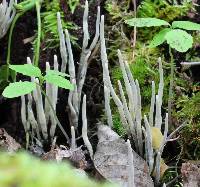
x=163, y=168
x=76, y=156
x=7, y=142
x=111, y=160
x=157, y=137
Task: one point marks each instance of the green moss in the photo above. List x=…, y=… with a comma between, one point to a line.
x=117, y=125
x=188, y=108
x=163, y=10
x=190, y=141
x=25, y=171
x=116, y=8
x=169, y=175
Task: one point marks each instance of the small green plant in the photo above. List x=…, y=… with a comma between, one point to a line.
x=54, y=77
x=17, y=89
x=117, y=9
x=161, y=9
x=176, y=37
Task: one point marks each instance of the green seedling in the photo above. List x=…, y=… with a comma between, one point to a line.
x=53, y=77
x=17, y=89
x=176, y=37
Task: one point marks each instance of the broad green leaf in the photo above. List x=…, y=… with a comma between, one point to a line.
x=59, y=81
x=159, y=38
x=187, y=25
x=179, y=40
x=17, y=89
x=146, y=22
x=26, y=69
x=55, y=72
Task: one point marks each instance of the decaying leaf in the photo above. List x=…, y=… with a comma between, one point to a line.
x=163, y=168
x=191, y=175
x=76, y=156
x=7, y=142
x=157, y=137
x=111, y=160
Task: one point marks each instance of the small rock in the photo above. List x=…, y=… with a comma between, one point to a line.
x=111, y=160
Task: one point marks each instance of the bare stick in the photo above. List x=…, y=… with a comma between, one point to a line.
x=190, y=63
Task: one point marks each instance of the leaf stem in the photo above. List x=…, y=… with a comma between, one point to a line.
x=9, y=42
x=37, y=52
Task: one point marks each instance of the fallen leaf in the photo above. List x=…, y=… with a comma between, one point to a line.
x=157, y=137
x=75, y=156
x=7, y=142
x=163, y=168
